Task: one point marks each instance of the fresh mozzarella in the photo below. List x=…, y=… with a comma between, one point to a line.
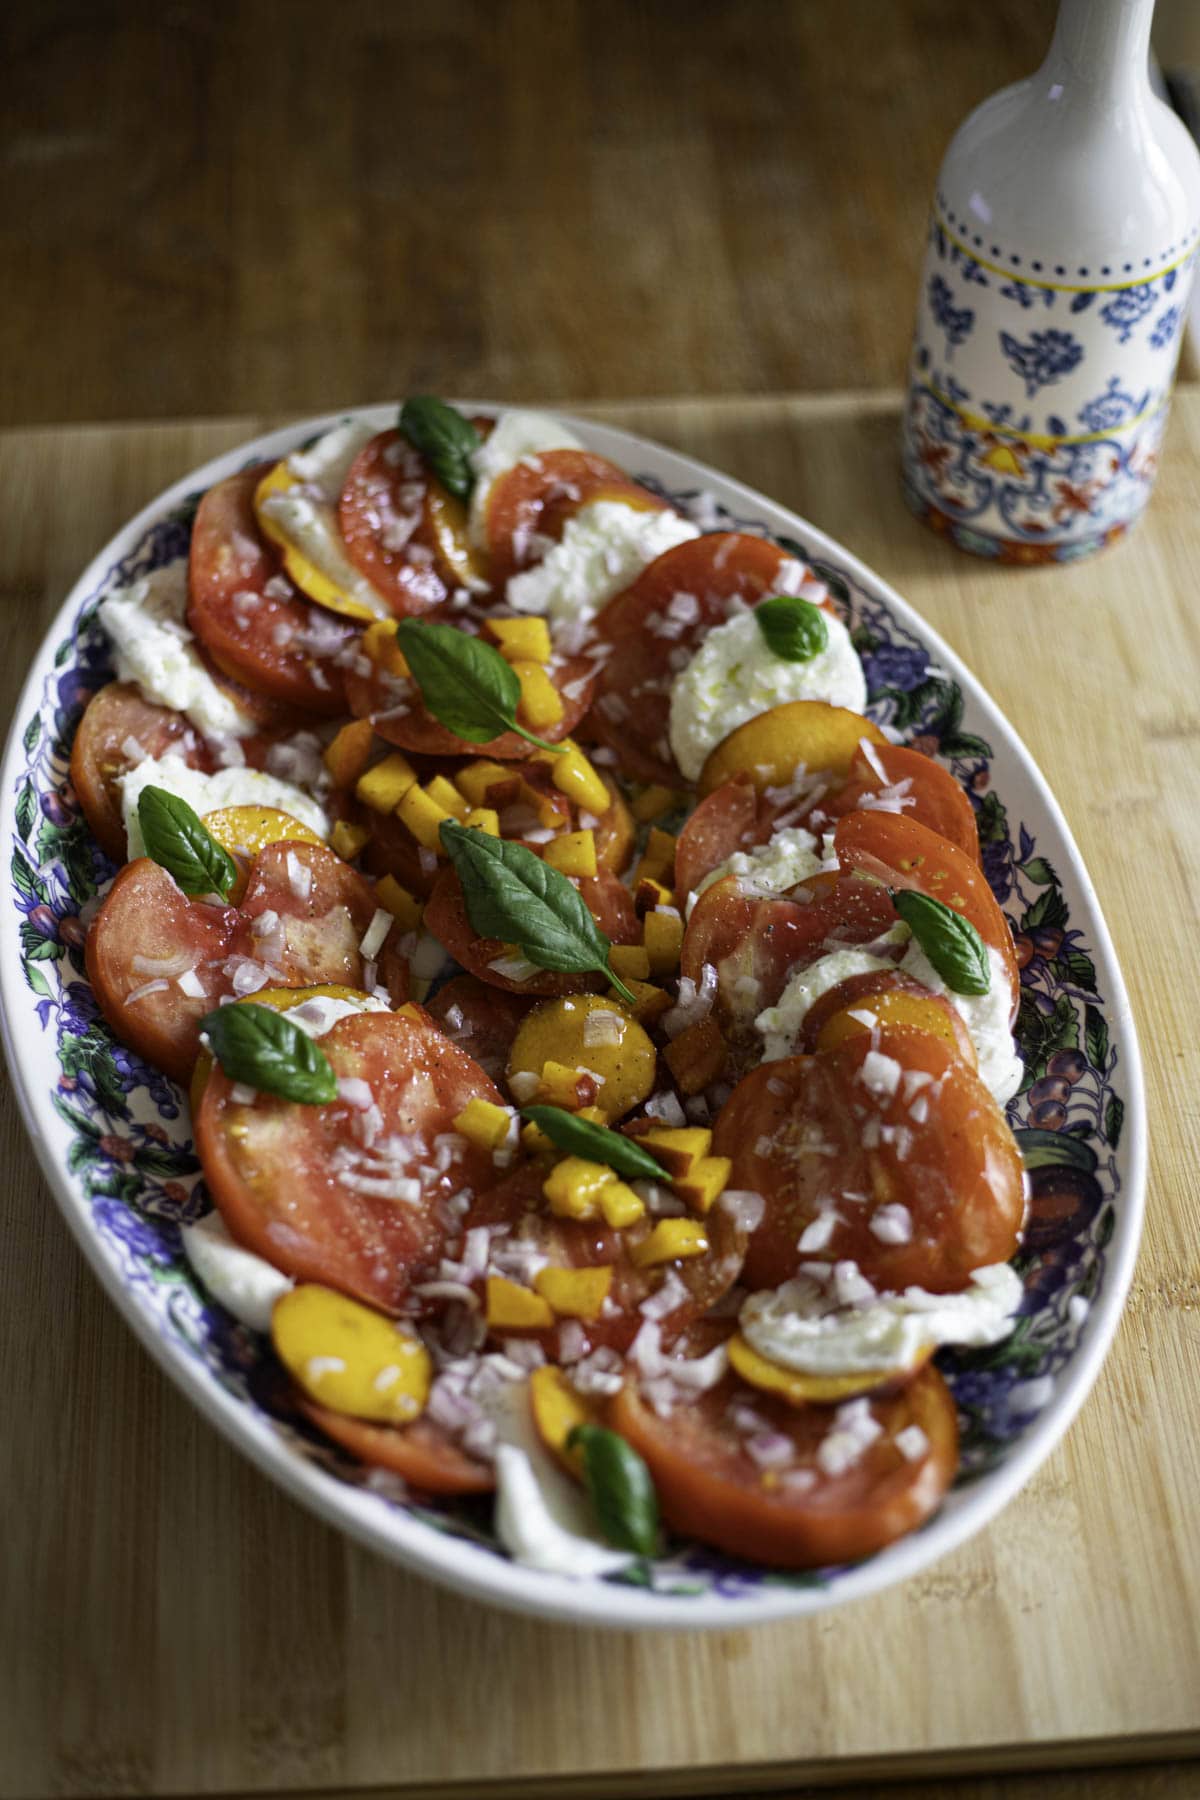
x=244, y=1284
x=735, y=676
x=781, y=1024
x=807, y=1326
x=300, y=515
x=985, y=1016
x=542, y=1517
x=153, y=647
x=603, y=548
x=208, y=793
x=514, y=435
x=789, y=859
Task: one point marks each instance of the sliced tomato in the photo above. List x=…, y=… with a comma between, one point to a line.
x=756, y=943
x=324, y=908
x=482, y=1020
x=117, y=730
x=610, y=904
x=699, y=1281
x=402, y=529
x=797, y=1516
x=536, y=498
x=400, y=716
x=722, y=824
x=809, y=1132
x=422, y=1454
x=904, y=854
x=146, y=927
x=289, y=1180
x=274, y=718
x=633, y=694
x=930, y=794
x=249, y=617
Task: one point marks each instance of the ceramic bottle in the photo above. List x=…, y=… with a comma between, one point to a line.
x=1053, y=300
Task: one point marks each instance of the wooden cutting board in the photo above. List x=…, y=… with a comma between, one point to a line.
x=169, y=1622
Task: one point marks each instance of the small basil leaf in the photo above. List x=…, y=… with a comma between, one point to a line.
x=177, y=840
x=465, y=683
x=951, y=943
x=444, y=438
x=620, y=1488
x=511, y=894
x=264, y=1049
x=792, y=629
x=580, y=1137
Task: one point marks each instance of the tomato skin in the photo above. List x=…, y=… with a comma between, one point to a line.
x=905, y=854
x=536, y=498
x=374, y=696
x=389, y=482
x=229, y=556
x=794, y=1132
x=724, y=822
x=114, y=714
x=272, y=1170
x=710, y=1489
x=939, y=803
x=421, y=1454
x=633, y=694
x=610, y=904
x=489, y=1022
x=324, y=926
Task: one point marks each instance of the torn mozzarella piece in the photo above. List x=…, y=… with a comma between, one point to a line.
x=781, y=1024
x=985, y=1017
x=244, y=1284
x=603, y=548
x=209, y=793
x=152, y=647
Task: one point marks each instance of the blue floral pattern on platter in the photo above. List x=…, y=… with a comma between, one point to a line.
x=132, y=1157
x=1036, y=483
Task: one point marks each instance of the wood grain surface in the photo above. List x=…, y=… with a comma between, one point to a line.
x=169, y=1623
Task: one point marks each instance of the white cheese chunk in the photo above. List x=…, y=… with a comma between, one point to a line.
x=802, y=1327
x=244, y=1284
x=985, y=1016
x=514, y=435
x=152, y=646
x=208, y=793
x=781, y=1024
x=735, y=676
x=603, y=548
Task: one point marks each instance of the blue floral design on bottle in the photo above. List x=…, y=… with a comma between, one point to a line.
x=1047, y=356
x=1111, y=408
x=955, y=321
x=1165, y=327
x=1026, y=294
x=1128, y=308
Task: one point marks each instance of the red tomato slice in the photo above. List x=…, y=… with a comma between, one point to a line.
x=399, y=715
x=721, y=825
x=610, y=904
x=422, y=1453
x=537, y=497
x=399, y=524
x=710, y=1487
x=904, y=854
x=700, y=1281
x=933, y=798
x=481, y=1020
x=795, y=1131
x=147, y=927
x=247, y=614
x=633, y=694
x=146, y=921
x=755, y=944
x=289, y=1179
x=117, y=717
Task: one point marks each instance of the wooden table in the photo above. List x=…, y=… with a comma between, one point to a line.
x=169, y=1623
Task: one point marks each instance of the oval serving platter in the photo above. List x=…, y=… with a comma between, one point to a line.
x=112, y=1135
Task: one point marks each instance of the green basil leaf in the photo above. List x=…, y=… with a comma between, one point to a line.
x=580, y=1137
x=792, y=629
x=620, y=1487
x=182, y=845
x=262, y=1047
x=444, y=438
x=465, y=683
x=951, y=943
x=511, y=894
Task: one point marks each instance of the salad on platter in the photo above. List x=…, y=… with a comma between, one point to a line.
x=597, y=1031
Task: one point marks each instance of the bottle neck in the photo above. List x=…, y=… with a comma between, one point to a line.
x=1101, y=47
